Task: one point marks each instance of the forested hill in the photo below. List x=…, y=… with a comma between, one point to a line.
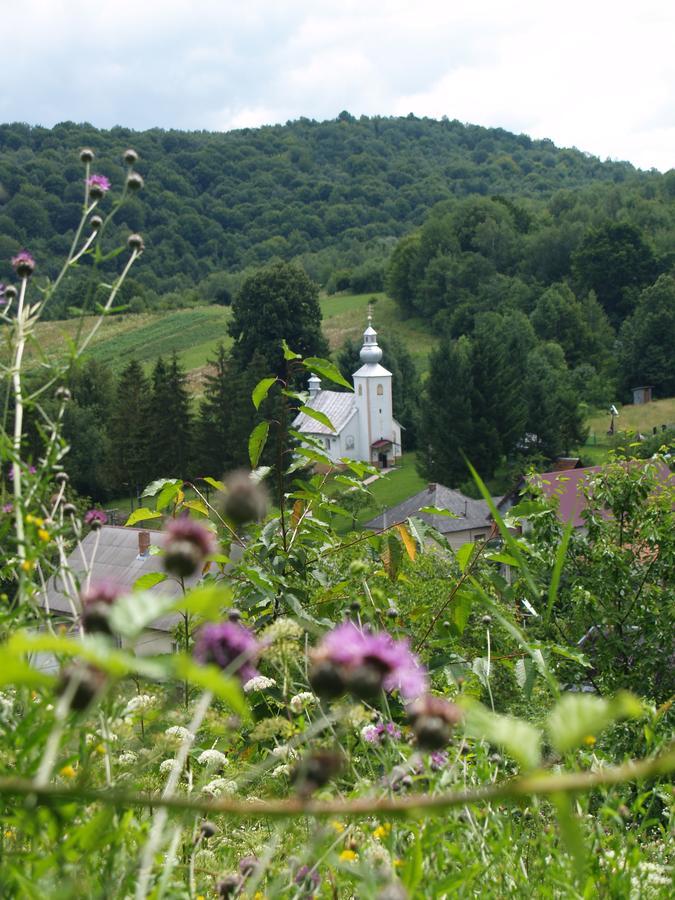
x=333, y=193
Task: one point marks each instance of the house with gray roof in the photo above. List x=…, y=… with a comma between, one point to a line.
x=469, y=519
x=364, y=427
x=121, y=556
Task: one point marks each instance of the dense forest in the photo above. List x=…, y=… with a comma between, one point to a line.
x=335, y=196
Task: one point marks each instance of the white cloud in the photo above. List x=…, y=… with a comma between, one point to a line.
x=599, y=75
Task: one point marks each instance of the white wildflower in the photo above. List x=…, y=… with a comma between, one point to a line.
x=281, y=770
x=259, y=683
x=219, y=786
x=370, y=734
x=128, y=758
x=180, y=733
x=6, y=706
x=302, y=701
x=212, y=759
x=139, y=704
x=283, y=751
x=166, y=766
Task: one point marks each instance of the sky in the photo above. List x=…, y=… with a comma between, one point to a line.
x=598, y=75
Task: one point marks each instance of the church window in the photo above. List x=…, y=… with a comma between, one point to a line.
x=349, y=444
x=380, y=390
x=360, y=390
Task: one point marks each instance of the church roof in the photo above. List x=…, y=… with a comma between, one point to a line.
x=372, y=369
x=339, y=406
x=469, y=513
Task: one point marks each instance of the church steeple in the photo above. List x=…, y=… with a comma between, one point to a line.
x=370, y=352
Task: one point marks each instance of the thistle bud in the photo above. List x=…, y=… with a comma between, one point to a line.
x=248, y=865
x=61, y=478
x=96, y=603
x=95, y=223
x=69, y=509
x=316, y=770
x=130, y=156
x=24, y=264
x=63, y=394
x=244, y=499
x=234, y=615
x=432, y=719
x=187, y=544
x=207, y=830
x=86, y=155
x=229, y=886
x=326, y=680
x=134, y=181
x=486, y=620
x=9, y=292
x=135, y=242
x=84, y=684
x=365, y=681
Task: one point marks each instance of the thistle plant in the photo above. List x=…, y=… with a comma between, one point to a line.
x=356, y=710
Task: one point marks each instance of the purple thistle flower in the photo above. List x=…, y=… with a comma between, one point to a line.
x=307, y=877
x=376, y=734
x=93, y=516
x=355, y=651
x=2, y=294
x=103, y=591
x=438, y=760
x=230, y=646
x=8, y=508
x=98, y=184
x=23, y=264
x=96, y=602
x=187, y=544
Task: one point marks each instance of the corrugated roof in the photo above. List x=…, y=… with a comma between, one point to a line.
x=337, y=405
x=117, y=560
x=469, y=513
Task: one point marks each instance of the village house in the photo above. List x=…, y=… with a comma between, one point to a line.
x=364, y=427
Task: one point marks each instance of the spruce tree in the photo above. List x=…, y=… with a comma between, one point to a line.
x=130, y=432
x=172, y=420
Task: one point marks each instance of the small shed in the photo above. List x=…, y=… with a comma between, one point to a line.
x=642, y=394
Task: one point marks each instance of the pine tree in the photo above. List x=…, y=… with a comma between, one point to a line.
x=172, y=420
x=130, y=432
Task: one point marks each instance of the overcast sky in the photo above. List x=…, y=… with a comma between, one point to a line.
x=598, y=75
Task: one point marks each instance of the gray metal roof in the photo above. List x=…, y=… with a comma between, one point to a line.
x=338, y=406
x=117, y=560
x=470, y=513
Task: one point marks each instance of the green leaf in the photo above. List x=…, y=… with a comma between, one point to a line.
x=519, y=739
x=210, y=678
x=150, y=579
x=317, y=416
x=18, y=672
x=156, y=486
x=579, y=716
x=557, y=569
x=167, y=494
x=198, y=506
x=288, y=353
x=324, y=368
x=133, y=613
x=437, y=511
x=571, y=833
x=463, y=555
x=525, y=675
x=140, y=515
x=218, y=485
x=461, y=610
x=206, y=600
x=261, y=390
x=256, y=442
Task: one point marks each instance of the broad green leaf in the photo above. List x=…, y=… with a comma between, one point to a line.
x=210, y=678
x=525, y=675
x=259, y=474
x=437, y=511
x=571, y=833
x=579, y=716
x=150, y=579
x=463, y=555
x=557, y=569
x=198, y=506
x=206, y=600
x=516, y=737
x=256, y=442
x=218, y=485
x=317, y=416
x=156, y=486
x=481, y=667
x=17, y=671
x=324, y=368
x=140, y=515
x=288, y=353
x=261, y=390
x=133, y=613
x=92, y=649
x=462, y=605
x=408, y=542
x=168, y=493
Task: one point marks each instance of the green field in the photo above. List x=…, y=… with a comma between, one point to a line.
x=631, y=419
x=194, y=333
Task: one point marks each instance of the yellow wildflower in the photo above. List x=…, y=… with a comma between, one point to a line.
x=348, y=856
x=67, y=772
x=338, y=826
x=398, y=863
x=382, y=831
x=9, y=835
x=589, y=740
x=44, y=535
x=26, y=565
x=30, y=519
x=100, y=749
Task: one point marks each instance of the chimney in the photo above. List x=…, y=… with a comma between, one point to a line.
x=466, y=504
x=143, y=543
x=314, y=385
x=431, y=487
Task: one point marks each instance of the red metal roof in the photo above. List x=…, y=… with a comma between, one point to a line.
x=382, y=442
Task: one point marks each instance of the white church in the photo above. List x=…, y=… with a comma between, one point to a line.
x=364, y=427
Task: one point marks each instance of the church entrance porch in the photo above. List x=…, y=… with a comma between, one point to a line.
x=381, y=453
